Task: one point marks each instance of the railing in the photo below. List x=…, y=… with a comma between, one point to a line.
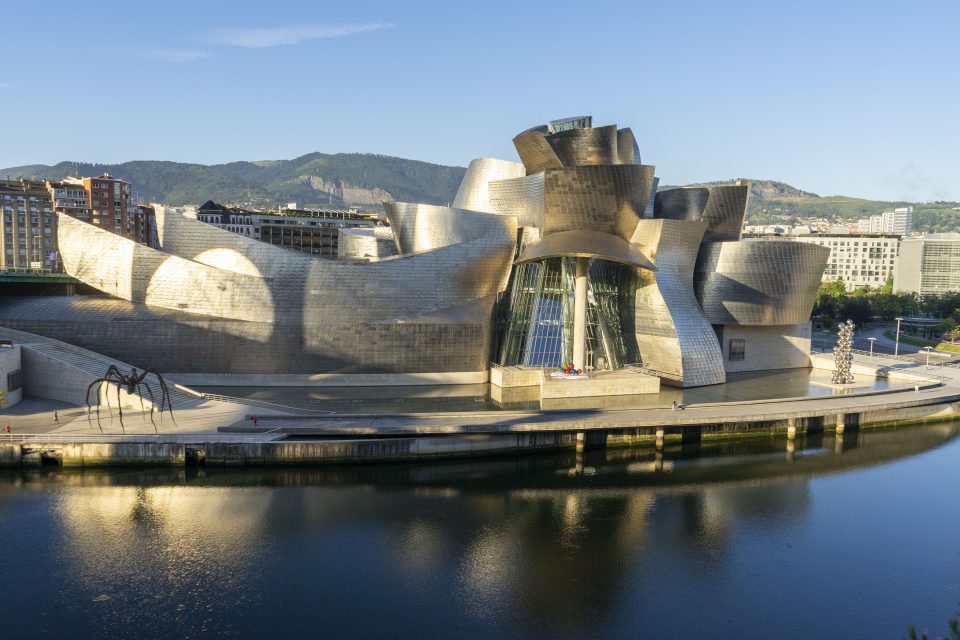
x=263, y=404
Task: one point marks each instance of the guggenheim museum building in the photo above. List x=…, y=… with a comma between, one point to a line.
x=570, y=254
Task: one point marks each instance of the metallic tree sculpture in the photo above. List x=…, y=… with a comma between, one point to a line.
x=132, y=383
x=842, y=356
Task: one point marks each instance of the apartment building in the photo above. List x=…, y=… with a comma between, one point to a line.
x=29, y=234
x=860, y=260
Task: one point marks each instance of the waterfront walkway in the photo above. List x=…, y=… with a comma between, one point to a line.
x=233, y=420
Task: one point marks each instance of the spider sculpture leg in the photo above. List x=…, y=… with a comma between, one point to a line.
x=120, y=411
x=98, y=383
x=153, y=402
x=165, y=398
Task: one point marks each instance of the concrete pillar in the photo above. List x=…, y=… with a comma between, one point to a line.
x=581, y=441
x=660, y=435
x=791, y=432
x=791, y=448
x=841, y=422
x=580, y=314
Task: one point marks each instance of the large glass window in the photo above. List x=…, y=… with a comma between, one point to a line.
x=536, y=325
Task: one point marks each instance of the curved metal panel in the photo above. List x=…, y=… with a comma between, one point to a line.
x=673, y=335
x=759, y=282
x=535, y=152
x=520, y=197
x=628, y=151
x=292, y=287
x=585, y=244
x=422, y=227
x=473, y=193
x=721, y=207
x=609, y=198
x=585, y=147
x=724, y=212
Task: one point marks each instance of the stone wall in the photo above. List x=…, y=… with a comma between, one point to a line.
x=10, y=358
x=776, y=347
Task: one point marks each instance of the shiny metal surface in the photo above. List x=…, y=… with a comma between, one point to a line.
x=580, y=147
x=721, y=207
x=535, y=152
x=672, y=333
x=580, y=192
x=609, y=198
x=423, y=227
x=628, y=151
x=759, y=282
x=585, y=243
x=473, y=193
x=521, y=197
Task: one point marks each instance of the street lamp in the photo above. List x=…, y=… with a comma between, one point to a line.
x=896, y=348
x=872, y=340
x=928, y=350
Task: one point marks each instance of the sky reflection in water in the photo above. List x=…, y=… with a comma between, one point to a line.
x=850, y=539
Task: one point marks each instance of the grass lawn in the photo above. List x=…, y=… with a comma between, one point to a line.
x=917, y=342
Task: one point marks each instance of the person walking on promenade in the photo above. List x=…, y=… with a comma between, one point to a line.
x=6, y=428
x=56, y=418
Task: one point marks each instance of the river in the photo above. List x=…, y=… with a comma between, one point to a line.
x=856, y=538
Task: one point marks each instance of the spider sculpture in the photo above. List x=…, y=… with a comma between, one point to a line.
x=132, y=383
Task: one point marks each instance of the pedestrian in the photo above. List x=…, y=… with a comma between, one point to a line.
x=674, y=406
x=6, y=427
x=254, y=418
x=916, y=387
x=56, y=418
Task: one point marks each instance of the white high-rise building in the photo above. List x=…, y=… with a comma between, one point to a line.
x=898, y=222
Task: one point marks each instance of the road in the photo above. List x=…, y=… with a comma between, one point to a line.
x=883, y=344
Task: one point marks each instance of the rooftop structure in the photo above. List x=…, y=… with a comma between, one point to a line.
x=568, y=255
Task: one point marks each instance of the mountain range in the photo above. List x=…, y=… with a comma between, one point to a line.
x=366, y=180
x=314, y=179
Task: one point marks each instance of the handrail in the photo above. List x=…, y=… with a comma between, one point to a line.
x=263, y=404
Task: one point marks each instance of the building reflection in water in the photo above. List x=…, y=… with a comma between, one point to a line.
x=520, y=540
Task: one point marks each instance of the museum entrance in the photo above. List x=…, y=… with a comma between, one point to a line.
x=537, y=314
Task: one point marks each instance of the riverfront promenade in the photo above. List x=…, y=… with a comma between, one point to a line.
x=938, y=387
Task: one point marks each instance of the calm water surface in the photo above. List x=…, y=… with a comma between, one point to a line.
x=852, y=539
x=746, y=386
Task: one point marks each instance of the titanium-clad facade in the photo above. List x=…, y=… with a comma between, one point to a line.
x=569, y=254
x=473, y=193
x=721, y=207
x=672, y=334
x=759, y=282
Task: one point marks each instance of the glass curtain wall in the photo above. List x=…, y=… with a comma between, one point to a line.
x=536, y=326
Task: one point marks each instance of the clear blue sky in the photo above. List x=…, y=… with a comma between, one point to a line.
x=852, y=98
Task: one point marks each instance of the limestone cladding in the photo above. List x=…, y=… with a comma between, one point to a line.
x=10, y=372
x=764, y=348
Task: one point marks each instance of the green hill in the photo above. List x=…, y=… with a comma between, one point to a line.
x=368, y=179
x=316, y=178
